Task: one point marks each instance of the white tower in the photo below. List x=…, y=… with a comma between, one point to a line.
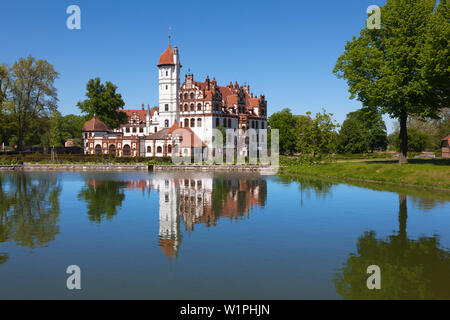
x=169, y=87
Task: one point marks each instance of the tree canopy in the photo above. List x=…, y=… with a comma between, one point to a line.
x=28, y=93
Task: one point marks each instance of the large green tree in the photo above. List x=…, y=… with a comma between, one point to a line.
x=402, y=68
x=103, y=101
x=29, y=93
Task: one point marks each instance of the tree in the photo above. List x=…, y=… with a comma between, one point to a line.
x=364, y=130
x=352, y=137
x=319, y=135
x=403, y=67
x=417, y=140
x=3, y=84
x=104, y=102
x=285, y=122
x=30, y=93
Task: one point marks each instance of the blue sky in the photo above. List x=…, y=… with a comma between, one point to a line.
x=284, y=49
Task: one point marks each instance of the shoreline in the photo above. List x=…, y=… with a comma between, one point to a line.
x=147, y=167
x=344, y=179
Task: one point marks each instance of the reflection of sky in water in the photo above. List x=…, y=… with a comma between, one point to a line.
x=200, y=235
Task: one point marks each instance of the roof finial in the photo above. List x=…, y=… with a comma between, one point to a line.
x=170, y=36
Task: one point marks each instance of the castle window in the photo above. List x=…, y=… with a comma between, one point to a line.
x=199, y=107
x=186, y=107
x=126, y=150
x=262, y=125
x=134, y=129
x=192, y=107
x=159, y=149
x=166, y=197
x=192, y=95
x=98, y=149
x=166, y=123
x=167, y=87
x=127, y=129
x=224, y=123
x=166, y=107
x=217, y=122
x=257, y=125
x=185, y=95
x=229, y=123
x=199, y=122
x=169, y=148
x=149, y=149
x=186, y=123
x=192, y=123
x=167, y=73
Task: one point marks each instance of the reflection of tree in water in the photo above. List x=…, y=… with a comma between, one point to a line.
x=321, y=188
x=3, y=258
x=102, y=198
x=410, y=269
x=29, y=209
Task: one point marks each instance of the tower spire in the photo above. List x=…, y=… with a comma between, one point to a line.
x=170, y=36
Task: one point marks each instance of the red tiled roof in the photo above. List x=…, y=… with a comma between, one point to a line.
x=166, y=57
x=446, y=138
x=95, y=125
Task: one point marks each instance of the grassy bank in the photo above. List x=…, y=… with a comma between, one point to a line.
x=434, y=173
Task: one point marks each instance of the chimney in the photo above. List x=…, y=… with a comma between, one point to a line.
x=143, y=106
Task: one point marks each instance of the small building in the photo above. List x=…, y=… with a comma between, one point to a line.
x=445, y=145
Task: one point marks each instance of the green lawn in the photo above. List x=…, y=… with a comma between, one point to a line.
x=428, y=173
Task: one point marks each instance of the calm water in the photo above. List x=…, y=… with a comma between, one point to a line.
x=213, y=236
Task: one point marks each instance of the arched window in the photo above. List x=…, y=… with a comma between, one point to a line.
x=149, y=149
x=169, y=148
x=126, y=150
x=199, y=122
x=185, y=95
x=166, y=123
x=192, y=95
x=192, y=107
x=98, y=149
x=159, y=149
x=192, y=123
x=186, y=123
x=199, y=107
x=186, y=107
x=112, y=149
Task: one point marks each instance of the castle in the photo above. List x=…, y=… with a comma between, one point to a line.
x=185, y=118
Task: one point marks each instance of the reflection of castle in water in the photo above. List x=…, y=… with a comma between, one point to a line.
x=202, y=199
x=187, y=198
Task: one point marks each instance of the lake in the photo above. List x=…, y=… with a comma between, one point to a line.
x=186, y=235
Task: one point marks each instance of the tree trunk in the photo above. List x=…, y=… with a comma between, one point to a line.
x=403, y=136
